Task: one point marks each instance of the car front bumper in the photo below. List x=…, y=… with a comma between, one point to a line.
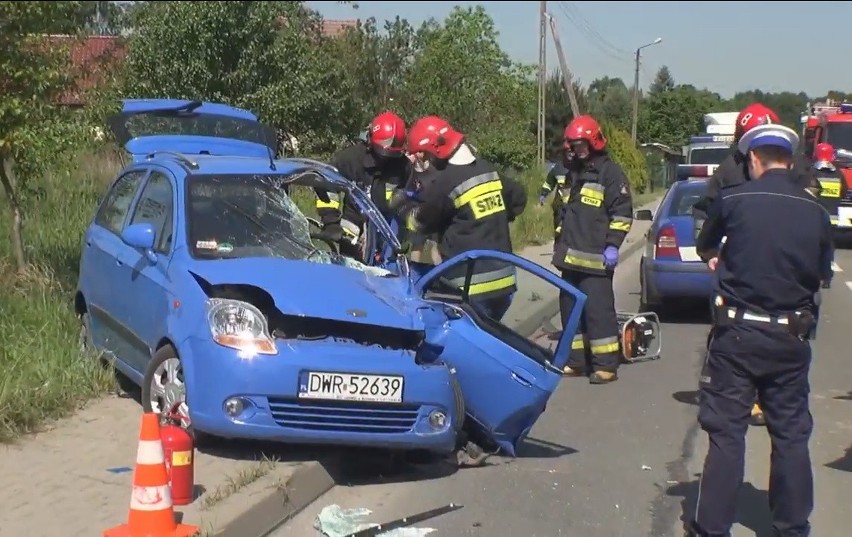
x=269, y=386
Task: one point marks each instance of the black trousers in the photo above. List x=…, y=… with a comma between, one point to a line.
x=596, y=345
x=744, y=359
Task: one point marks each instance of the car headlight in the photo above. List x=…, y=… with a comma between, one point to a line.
x=239, y=325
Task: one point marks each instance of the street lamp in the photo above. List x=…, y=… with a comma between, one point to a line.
x=656, y=41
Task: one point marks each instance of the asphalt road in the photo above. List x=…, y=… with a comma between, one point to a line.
x=622, y=459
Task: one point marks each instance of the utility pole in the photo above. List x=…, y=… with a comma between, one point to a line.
x=563, y=66
x=656, y=41
x=542, y=80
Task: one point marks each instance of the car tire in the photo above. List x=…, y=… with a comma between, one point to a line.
x=84, y=341
x=164, y=353
x=459, y=399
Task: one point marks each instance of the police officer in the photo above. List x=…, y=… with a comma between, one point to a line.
x=469, y=206
x=769, y=272
x=378, y=166
x=734, y=171
x=556, y=179
x=596, y=217
x=832, y=189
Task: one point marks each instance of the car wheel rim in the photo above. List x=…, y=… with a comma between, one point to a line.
x=168, y=392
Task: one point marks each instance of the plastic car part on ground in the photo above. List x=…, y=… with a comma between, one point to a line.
x=334, y=521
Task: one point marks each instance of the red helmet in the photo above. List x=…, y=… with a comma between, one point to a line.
x=823, y=153
x=753, y=115
x=435, y=136
x=387, y=135
x=584, y=128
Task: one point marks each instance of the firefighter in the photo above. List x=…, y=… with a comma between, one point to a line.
x=469, y=206
x=555, y=179
x=424, y=251
x=596, y=217
x=832, y=189
x=733, y=171
x=378, y=166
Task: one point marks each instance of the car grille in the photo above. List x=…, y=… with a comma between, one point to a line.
x=347, y=416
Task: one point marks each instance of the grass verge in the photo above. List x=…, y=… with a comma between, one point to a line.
x=42, y=373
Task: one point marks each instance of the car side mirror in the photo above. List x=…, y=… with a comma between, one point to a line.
x=644, y=214
x=141, y=236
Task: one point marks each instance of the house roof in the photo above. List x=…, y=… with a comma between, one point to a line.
x=90, y=54
x=333, y=28
x=88, y=57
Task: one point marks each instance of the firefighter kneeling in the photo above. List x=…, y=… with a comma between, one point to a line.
x=596, y=217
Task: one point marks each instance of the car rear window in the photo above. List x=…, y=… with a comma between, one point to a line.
x=685, y=196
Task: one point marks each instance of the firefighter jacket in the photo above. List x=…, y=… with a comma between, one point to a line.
x=598, y=213
x=832, y=191
x=379, y=178
x=469, y=207
x=556, y=179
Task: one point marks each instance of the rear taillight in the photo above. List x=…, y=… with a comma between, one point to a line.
x=667, y=243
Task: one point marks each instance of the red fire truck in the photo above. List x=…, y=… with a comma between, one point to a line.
x=831, y=123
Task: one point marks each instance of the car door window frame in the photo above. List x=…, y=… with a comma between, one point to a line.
x=110, y=199
x=170, y=217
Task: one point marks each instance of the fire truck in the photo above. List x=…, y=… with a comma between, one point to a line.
x=831, y=122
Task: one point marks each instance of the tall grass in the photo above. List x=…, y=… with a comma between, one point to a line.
x=43, y=374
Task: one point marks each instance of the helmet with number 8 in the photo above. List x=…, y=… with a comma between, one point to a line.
x=751, y=116
x=387, y=135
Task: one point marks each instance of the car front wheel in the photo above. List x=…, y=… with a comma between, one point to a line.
x=164, y=390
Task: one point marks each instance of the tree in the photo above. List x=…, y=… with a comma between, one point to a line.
x=662, y=82
x=34, y=75
x=609, y=99
x=673, y=116
x=377, y=64
x=461, y=73
x=269, y=57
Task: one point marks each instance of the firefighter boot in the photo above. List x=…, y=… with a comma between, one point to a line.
x=573, y=372
x=757, y=416
x=603, y=377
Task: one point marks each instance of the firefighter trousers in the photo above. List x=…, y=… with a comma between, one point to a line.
x=595, y=346
x=744, y=359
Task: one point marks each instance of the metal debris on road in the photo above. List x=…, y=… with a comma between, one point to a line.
x=334, y=521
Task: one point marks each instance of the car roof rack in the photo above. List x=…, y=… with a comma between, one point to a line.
x=183, y=159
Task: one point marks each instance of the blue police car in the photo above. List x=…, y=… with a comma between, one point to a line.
x=670, y=268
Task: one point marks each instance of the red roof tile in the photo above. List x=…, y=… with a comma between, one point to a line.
x=89, y=56
x=333, y=28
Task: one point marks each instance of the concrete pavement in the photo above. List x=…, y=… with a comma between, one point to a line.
x=622, y=459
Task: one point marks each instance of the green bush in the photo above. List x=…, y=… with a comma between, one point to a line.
x=624, y=151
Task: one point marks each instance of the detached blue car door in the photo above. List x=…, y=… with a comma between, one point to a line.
x=506, y=378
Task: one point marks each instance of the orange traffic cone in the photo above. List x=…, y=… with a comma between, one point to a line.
x=151, y=512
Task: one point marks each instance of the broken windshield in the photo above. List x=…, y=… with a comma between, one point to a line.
x=236, y=216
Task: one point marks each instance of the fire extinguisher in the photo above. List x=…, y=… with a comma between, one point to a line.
x=180, y=462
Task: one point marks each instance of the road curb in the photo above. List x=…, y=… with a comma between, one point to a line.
x=550, y=306
x=269, y=502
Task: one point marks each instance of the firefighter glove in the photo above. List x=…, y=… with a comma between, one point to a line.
x=610, y=255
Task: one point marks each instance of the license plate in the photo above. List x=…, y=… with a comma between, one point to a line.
x=351, y=387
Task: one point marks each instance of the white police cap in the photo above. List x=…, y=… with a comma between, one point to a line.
x=770, y=134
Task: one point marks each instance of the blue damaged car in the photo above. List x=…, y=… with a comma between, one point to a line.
x=205, y=284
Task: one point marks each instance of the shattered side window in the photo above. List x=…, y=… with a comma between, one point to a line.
x=236, y=216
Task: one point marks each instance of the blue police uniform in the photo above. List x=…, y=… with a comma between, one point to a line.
x=768, y=275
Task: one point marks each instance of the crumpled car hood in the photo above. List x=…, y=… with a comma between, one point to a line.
x=325, y=291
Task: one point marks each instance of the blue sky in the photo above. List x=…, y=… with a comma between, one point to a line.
x=725, y=46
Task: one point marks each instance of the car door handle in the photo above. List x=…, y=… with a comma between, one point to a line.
x=522, y=377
